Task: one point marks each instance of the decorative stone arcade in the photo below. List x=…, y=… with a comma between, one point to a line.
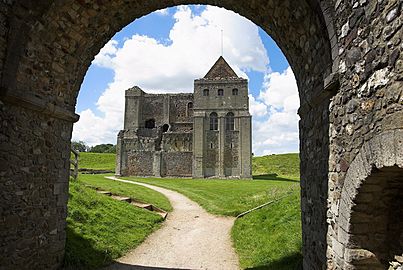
x=348, y=62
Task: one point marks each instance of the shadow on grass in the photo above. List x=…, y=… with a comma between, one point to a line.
x=291, y=262
x=81, y=254
x=273, y=176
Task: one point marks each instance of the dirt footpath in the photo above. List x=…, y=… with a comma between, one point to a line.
x=190, y=238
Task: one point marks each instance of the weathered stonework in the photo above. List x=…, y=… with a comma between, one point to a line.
x=172, y=135
x=348, y=62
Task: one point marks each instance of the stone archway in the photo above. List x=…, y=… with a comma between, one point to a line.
x=368, y=228
x=46, y=47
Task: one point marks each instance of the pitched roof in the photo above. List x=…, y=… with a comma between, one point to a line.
x=221, y=69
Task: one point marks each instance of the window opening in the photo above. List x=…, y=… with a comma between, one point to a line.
x=150, y=124
x=229, y=121
x=213, y=121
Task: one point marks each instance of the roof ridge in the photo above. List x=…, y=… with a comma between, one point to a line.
x=221, y=69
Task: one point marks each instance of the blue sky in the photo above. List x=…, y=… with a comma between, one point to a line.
x=166, y=50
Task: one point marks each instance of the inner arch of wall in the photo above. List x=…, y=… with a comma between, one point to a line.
x=49, y=48
x=366, y=206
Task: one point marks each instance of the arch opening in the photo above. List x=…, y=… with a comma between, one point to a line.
x=376, y=224
x=230, y=121
x=66, y=59
x=165, y=128
x=213, y=121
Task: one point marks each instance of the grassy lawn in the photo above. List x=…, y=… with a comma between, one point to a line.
x=283, y=165
x=269, y=238
x=97, y=161
x=134, y=191
x=226, y=197
x=100, y=229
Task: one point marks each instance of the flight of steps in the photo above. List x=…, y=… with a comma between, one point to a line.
x=132, y=201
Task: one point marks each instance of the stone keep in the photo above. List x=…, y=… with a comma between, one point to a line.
x=205, y=134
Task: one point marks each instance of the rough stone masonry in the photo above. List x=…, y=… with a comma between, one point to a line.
x=348, y=62
x=205, y=134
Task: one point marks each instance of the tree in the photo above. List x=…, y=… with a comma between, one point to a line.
x=103, y=148
x=79, y=146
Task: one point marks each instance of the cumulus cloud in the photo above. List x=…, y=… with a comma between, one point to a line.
x=256, y=108
x=162, y=12
x=280, y=90
x=279, y=132
x=195, y=44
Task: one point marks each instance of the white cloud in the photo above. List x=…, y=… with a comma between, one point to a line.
x=280, y=90
x=257, y=108
x=162, y=12
x=279, y=132
x=195, y=44
x=105, y=56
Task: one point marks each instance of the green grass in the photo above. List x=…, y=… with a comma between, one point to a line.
x=226, y=197
x=134, y=191
x=97, y=161
x=283, y=165
x=100, y=229
x=268, y=238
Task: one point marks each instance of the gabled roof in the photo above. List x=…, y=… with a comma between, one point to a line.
x=221, y=69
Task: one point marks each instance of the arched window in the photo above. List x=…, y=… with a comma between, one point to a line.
x=189, y=111
x=229, y=121
x=165, y=128
x=234, y=92
x=150, y=123
x=220, y=92
x=205, y=92
x=213, y=121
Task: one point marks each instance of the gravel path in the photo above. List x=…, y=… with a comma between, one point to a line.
x=190, y=238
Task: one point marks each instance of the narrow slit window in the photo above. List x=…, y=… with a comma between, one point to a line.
x=211, y=145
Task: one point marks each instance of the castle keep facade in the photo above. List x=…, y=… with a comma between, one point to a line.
x=204, y=134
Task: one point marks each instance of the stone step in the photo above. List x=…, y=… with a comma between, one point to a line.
x=133, y=202
x=143, y=205
x=122, y=199
x=163, y=214
x=108, y=193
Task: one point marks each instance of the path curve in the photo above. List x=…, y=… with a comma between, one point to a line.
x=190, y=238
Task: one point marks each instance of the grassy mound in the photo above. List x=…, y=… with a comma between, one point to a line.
x=97, y=161
x=283, y=166
x=100, y=229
